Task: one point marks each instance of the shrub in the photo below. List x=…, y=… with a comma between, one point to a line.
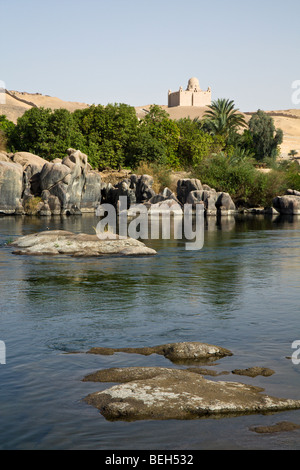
x=161, y=175
x=247, y=185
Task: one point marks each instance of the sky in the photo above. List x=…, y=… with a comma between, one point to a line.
x=134, y=51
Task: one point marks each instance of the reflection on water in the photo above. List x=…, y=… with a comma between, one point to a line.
x=240, y=291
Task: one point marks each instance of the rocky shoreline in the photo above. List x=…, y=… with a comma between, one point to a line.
x=30, y=185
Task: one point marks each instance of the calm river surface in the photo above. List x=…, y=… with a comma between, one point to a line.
x=241, y=291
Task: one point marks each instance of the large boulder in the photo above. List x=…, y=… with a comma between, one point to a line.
x=26, y=158
x=185, y=186
x=91, y=192
x=11, y=186
x=4, y=157
x=208, y=197
x=72, y=182
x=293, y=192
x=287, y=205
x=137, y=188
x=52, y=174
x=32, y=165
x=142, y=186
x=225, y=204
x=67, y=186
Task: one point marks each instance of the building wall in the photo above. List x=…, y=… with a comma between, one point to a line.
x=189, y=98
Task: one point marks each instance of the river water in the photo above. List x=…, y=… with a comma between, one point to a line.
x=240, y=291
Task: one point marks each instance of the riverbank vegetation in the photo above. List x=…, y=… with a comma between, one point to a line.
x=221, y=149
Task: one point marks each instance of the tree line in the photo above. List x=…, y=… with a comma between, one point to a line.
x=112, y=136
x=221, y=148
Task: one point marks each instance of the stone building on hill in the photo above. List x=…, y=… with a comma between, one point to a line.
x=192, y=96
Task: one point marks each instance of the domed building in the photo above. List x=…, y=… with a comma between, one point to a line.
x=192, y=96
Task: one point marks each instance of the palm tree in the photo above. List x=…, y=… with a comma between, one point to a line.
x=223, y=118
x=293, y=153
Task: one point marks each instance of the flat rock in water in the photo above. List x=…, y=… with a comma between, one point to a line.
x=182, y=352
x=159, y=394
x=283, y=426
x=254, y=371
x=60, y=242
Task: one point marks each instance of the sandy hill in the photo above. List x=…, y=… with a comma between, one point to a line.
x=19, y=102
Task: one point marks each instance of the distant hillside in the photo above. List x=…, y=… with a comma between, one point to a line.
x=19, y=102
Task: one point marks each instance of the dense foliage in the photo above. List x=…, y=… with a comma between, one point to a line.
x=112, y=136
x=221, y=149
x=264, y=138
x=6, y=127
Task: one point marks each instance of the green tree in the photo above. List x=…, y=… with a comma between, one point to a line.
x=31, y=133
x=44, y=132
x=145, y=148
x=293, y=153
x=61, y=133
x=265, y=137
x=165, y=131
x=194, y=143
x=6, y=129
x=105, y=133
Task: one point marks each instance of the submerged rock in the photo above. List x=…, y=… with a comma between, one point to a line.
x=254, y=371
x=283, y=426
x=67, y=243
x=160, y=393
x=175, y=352
x=128, y=374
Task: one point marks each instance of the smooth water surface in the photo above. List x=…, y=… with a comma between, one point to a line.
x=241, y=291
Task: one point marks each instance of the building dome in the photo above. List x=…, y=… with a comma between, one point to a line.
x=193, y=84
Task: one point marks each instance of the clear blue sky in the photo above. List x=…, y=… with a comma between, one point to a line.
x=133, y=51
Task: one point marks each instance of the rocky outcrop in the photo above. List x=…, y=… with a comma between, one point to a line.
x=293, y=192
x=91, y=192
x=163, y=393
x=185, y=187
x=215, y=203
x=225, y=204
x=32, y=166
x=72, y=183
x=11, y=186
x=69, y=186
x=60, y=242
x=288, y=204
x=4, y=157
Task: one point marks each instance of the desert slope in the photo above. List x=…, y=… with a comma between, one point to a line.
x=19, y=102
